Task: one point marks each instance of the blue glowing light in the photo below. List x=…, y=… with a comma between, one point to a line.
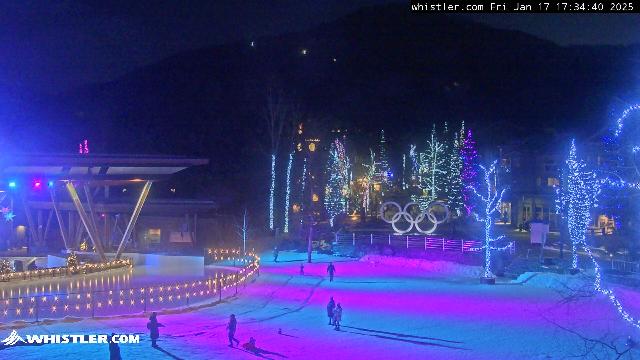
x=13, y=184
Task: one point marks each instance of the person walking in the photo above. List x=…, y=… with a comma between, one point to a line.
x=301, y=269
x=330, y=307
x=337, y=317
x=231, y=327
x=114, y=349
x=331, y=270
x=153, y=325
x=275, y=254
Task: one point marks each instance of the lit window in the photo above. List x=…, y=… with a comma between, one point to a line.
x=315, y=198
x=553, y=181
x=312, y=147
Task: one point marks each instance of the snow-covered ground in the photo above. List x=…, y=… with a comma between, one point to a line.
x=392, y=309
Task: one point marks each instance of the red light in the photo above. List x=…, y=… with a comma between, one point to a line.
x=37, y=184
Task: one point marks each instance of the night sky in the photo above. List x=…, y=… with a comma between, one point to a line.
x=54, y=46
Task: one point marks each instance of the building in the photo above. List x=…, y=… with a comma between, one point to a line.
x=102, y=203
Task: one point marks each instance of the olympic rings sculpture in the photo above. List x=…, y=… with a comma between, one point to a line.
x=406, y=215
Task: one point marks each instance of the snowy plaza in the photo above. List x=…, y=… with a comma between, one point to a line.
x=392, y=309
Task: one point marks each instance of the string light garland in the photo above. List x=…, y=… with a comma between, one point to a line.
x=576, y=198
x=127, y=301
x=433, y=164
x=272, y=190
x=302, y=187
x=492, y=202
x=337, y=188
x=72, y=268
x=625, y=114
x=468, y=174
x=287, y=198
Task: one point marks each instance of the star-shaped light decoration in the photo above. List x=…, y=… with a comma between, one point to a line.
x=9, y=216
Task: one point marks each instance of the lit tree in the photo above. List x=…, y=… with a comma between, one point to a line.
x=337, y=189
x=468, y=174
x=368, y=179
x=434, y=163
x=415, y=166
x=72, y=260
x=287, y=199
x=243, y=231
x=455, y=181
x=491, y=201
x=576, y=198
x=384, y=171
x=5, y=267
x=446, y=148
x=277, y=117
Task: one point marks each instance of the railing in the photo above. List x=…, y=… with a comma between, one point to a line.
x=625, y=266
x=87, y=268
x=408, y=241
x=104, y=303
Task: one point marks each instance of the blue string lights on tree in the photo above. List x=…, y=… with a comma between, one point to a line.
x=468, y=173
x=287, y=198
x=492, y=201
x=576, y=198
x=272, y=190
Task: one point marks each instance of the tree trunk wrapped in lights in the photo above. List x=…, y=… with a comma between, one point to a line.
x=469, y=158
x=576, y=198
x=491, y=201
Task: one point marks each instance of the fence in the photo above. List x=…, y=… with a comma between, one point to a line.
x=127, y=301
x=625, y=266
x=409, y=242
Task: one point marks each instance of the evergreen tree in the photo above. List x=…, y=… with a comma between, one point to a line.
x=368, y=179
x=384, y=171
x=455, y=181
x=469, y=173
x=337, y=188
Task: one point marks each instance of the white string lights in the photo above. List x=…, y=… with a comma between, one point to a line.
x=492, y=202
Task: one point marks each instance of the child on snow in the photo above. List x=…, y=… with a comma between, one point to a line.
x=153, y=325
x=337, y=317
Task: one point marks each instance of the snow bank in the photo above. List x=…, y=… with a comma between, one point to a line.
x=437, y=267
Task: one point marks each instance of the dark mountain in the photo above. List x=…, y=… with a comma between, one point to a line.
x=378, y=68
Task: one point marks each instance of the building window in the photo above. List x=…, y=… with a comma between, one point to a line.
x=153, y=235
x=552, y=181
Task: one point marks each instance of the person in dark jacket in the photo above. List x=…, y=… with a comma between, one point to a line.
x=331, y=270
x=231, y=327
x=114, y=349
x=153, y=325
x=330, y=306
x=275, y=254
